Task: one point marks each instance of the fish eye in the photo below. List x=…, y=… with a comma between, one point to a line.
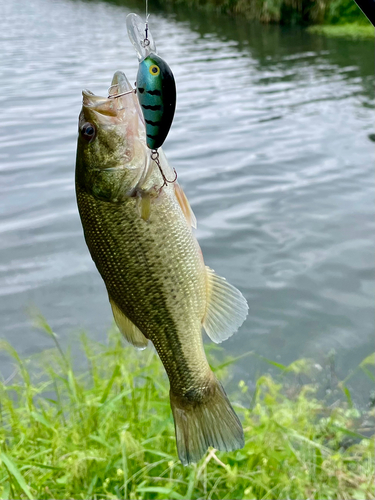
x=154, y=70
x=88, y=131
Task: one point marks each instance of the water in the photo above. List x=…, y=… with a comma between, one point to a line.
x=272, y=143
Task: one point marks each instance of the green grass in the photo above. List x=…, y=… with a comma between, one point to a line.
x=107, y=432
x=348, y=30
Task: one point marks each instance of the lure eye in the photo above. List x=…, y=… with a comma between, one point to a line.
x=154, y=70
x=88, y=131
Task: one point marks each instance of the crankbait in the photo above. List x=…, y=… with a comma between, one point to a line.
x=155, y=85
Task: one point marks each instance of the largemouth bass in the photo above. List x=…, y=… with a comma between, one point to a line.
x=139, y=233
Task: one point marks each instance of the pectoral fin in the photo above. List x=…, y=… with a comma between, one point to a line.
x=145, y=208
x=185, y=205
x=226, y=308
x=128, y=328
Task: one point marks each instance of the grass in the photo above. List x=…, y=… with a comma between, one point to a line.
x=348, y=30
x=107, y=432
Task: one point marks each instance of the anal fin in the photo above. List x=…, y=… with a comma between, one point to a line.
x=226, y=308
x=128, y=328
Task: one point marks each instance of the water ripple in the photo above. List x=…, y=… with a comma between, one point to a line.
x=271, y=142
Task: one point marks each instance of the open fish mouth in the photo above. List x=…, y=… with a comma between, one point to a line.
x=112, y=108
x=117, y=126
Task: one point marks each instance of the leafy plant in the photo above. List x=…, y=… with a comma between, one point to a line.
x=107, y=432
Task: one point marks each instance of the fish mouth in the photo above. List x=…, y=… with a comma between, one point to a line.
x=109, y=110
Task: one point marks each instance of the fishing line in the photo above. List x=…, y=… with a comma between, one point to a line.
x=146, y=41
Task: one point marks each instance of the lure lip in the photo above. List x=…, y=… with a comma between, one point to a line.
x=136, y=32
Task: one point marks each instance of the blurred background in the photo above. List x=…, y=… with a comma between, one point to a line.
x=273, y=143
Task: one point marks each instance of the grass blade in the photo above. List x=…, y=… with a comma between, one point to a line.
x=159, y=489
x=13, y=470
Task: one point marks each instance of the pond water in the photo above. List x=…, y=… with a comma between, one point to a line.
x=272, y=141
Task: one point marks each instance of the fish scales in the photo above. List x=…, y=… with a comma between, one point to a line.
x=157, y=258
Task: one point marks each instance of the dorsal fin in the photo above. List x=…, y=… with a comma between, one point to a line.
x=128, y=328
x=185, y=205
x=226, y=308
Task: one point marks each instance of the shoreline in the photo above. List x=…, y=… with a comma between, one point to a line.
x=342, y=18
x=107, y=432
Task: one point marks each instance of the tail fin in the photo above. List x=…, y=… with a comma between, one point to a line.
x=209, y=422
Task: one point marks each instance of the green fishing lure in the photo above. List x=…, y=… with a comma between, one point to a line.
x=155, y=85
x=156, y=91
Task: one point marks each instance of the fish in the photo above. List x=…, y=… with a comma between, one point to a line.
x=140, y=235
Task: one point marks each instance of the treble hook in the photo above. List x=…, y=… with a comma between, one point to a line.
x=155, y=158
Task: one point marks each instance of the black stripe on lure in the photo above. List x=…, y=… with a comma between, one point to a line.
x=155, y=85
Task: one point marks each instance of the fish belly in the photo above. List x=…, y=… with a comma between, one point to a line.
x=155, y=274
